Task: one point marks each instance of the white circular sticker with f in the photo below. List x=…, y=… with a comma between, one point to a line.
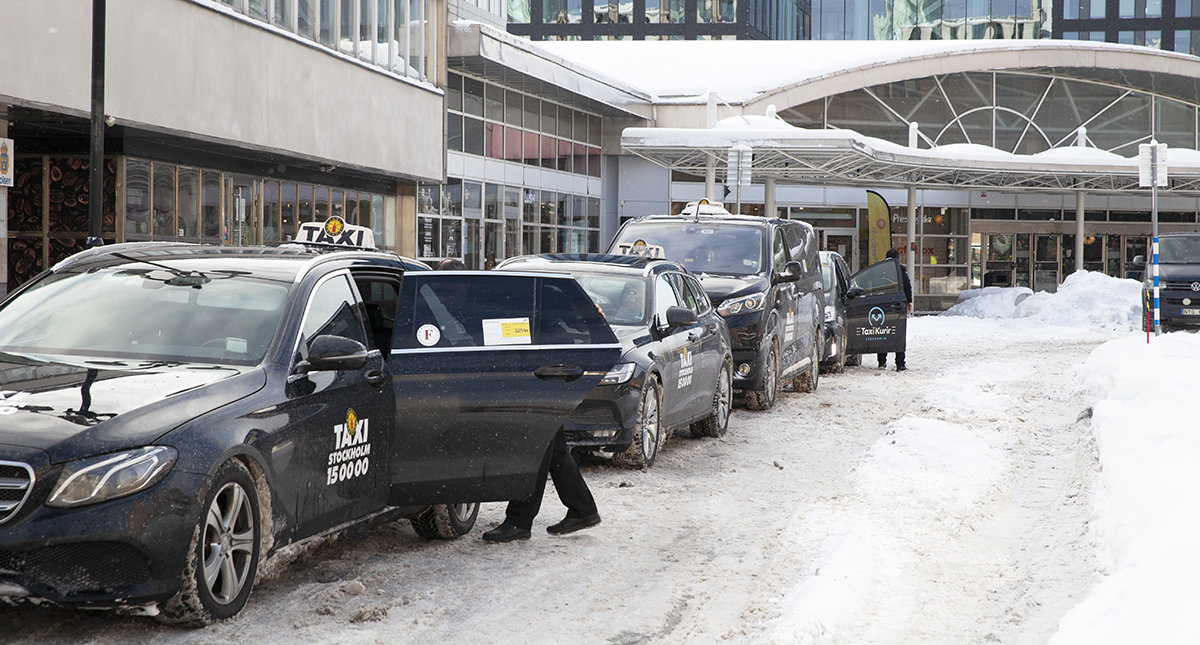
x=428, y=335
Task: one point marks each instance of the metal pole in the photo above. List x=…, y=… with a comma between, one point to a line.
x=911, y=237
x=769, y=197
x=96, y=186
x=710, y=172
x=1154, y=227
x=739, y=181
x=1079, y=202
x=1080, y=199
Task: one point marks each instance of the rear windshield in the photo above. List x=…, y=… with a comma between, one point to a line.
x=1179, y=250
x=145, y=313
x=724, y=249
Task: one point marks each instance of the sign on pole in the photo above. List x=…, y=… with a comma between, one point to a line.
x=1152, y=172
x=737, y=169
x=1150, y=156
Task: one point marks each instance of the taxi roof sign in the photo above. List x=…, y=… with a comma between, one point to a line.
x=336, y=232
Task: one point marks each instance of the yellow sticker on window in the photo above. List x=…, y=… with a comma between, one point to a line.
x=506, y=331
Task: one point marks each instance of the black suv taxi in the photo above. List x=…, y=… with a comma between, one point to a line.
x=170, y=414
x=764, y=277
x=677, y=369
x=1178, y=283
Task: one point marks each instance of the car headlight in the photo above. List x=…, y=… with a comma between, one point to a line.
x=742, y=305
x=96, y=479
x=829, y=313
x=619, y=374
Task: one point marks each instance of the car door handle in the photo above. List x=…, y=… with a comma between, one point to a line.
x=567, y=373
x=377, y=377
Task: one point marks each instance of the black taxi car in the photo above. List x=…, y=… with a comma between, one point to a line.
x=171, y=414
x=676, y=370
x=763, y=275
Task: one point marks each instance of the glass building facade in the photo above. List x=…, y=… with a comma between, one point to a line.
x=930, y=19
x=386, y=33
x=660, y=19
x=490, y=208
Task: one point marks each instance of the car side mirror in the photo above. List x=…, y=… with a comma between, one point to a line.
x=855, y=292
x=791, y=273
x=333, y=353
x=680, y=317
x=1139, y=259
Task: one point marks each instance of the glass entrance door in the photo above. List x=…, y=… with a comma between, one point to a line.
x=1045, y=263
x=242, y=212
x=841, y=241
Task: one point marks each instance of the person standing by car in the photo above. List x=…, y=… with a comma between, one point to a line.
x=893, y=254
x=572, y=491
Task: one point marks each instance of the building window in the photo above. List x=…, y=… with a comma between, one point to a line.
x=386, y=33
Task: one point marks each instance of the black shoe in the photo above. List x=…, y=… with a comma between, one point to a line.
x=505, y=533
x=572, y=524
x=900, y=368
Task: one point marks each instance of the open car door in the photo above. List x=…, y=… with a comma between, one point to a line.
x=485, y=367
x=877, y=310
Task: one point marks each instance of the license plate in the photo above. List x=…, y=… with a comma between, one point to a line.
x=1194, y=311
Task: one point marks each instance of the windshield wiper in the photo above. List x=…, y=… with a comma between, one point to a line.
x=194, y=279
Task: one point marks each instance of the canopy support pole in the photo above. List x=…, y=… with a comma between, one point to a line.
x=710, y=172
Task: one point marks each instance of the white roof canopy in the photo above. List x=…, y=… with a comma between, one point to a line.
x=845, y=158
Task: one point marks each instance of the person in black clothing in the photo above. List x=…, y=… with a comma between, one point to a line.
x=572, y=490
x=882, y=358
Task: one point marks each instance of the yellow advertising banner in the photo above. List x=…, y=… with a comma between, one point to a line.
x=879, y=227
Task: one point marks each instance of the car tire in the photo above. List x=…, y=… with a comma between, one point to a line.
x=716, y=424
x=445, y=521
x=839, y=366
x=854, y=360
x=807, y=382
x=764, y=397
x=222, y=561
x=647, y=435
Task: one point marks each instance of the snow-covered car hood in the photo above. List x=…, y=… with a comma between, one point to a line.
x=75, y=407
x=1179, y=272
x=720, y=287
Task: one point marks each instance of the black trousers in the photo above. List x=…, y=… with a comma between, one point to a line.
x=568, y=481
x=882, y=358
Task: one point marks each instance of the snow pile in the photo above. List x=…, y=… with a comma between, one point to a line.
x=989, y=302
x=1148, y=507
x=1085, y=299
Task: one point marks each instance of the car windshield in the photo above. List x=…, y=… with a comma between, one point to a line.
x=622, y=299
x=1179, y=250
x=725, y=249
x=827, y=274
x=145, y=312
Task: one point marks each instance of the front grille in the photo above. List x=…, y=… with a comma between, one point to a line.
x=593, y=417
x=16, y=482
x=83, y=567
x=1179, y=286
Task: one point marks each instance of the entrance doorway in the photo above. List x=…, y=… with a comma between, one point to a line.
x=242, y=217
x=843, y=241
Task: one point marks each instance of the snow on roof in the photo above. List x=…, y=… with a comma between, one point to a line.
x=682, y=71
x=761, y=132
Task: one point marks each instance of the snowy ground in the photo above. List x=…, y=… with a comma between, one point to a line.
x=962, y=501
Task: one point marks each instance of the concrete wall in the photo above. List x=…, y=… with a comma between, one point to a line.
x=181, y=67
x=642, y=188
